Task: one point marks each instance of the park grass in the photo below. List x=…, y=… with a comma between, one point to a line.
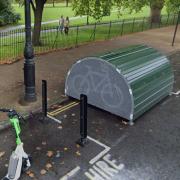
x=12, y=45
x=54, y=13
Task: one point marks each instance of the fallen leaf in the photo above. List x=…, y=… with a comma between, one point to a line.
x=77, y=145
x=31, y=174
x=59, y=127
x=65, y=149
x=38, y=148
x=48, y=166
x=124, y=122
x=78, y=153
x=43, y=172
x=44, y=143
x=50, y=153
x=2, y=154
x=28, y=172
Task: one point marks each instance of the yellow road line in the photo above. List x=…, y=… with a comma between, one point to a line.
x=60, y=111
x=63, y=109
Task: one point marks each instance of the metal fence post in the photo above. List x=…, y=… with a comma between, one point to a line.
x=83, y=120
x=160, y=21
x=133, y=25
x=44, y=98
x=143, y=24
x=167, y=19
x=1, y=46
x=151, y=25
x=175, y=32
x=109, y=33
x=77, y=35
x=174, y=18
x=122, y=29
x=94, y=37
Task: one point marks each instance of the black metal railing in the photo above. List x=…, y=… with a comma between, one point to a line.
x=12, y=42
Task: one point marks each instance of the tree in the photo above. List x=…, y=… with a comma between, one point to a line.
x=38, y=7
x=100, y=8
x=94, y=8
x=155, y=6
x=67, y=3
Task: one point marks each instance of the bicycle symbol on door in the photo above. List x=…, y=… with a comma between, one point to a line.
x=99, y=83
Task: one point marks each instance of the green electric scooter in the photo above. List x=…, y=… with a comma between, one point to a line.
x=19, y=160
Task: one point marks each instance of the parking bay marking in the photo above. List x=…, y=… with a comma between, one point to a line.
x=101, y=154
x=53, y=118
x=99, y=171
x=71, y=173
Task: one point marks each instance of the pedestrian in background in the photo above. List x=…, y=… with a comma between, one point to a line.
x=61, y=24
x=66, y=25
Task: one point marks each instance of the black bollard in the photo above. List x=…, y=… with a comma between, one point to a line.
x=44, y=98
x=83, y=120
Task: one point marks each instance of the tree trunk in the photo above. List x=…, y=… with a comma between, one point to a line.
x=53, y=3
x=155, y=15
x=67, y=3
x=37, y=25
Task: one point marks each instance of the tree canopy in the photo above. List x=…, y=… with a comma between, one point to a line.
x=99, y=8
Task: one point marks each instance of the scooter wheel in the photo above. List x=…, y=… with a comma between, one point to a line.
x=5, y=178
x=24, y=164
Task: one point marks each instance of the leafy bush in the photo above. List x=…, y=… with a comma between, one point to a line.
x=9, y=17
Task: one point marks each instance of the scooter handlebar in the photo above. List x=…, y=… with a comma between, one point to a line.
x=12, y=112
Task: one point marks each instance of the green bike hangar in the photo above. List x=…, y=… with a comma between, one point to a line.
x=126, y=82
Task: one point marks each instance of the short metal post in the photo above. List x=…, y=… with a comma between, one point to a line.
x=44, y=98
x=83, y=120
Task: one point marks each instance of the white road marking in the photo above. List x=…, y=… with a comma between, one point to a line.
x=101, y=154
x=71, y=173
x=56, y=120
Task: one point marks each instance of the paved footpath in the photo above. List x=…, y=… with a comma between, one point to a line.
x=149, y=150
x=54, y=66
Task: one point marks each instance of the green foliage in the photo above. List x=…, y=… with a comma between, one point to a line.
x=7, y=16
x=94, y=8
x=137, y=5
x=100, y=8
x=173, y=5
